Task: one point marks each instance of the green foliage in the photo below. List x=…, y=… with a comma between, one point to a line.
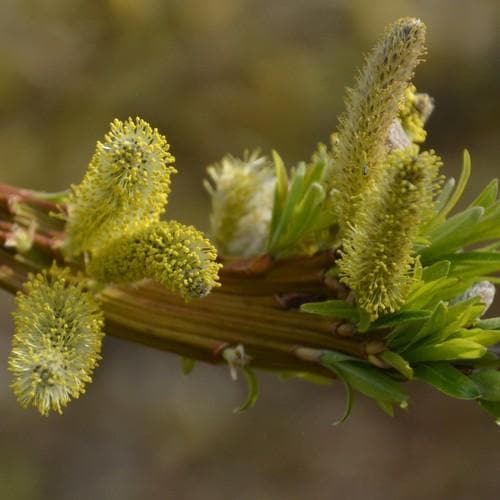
x=299, y=207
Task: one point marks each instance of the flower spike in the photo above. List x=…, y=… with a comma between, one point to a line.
x=57, y=341
x=371, y=107
x=177, y=256
x=242, y=192
x=378, y=252
x=126, y=186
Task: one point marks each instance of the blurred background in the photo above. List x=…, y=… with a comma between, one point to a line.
x=220, y=76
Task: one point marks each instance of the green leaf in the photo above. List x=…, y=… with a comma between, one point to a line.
x=423, y=296
x=309, y=377
x=437, y=270
x=386, y=407
x=489, y=323
x=488, y=382
x=367, y=379
x=333, y=357
x=348, y=404
x=448, y=380
x=253, y=391
x=448, y=350
x=400, y=317
x=332, y=308
x=280, y=193
x=474, y=264
x=488, y=195
x=486, y=338
x=305, y=215
x=397, y=362
x=445, y=194
x=187, y=365
x=462, y=183
x=492, y=407
x=434, y=324
x=453, y=234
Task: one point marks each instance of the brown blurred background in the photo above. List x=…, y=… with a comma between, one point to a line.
x=220, y=76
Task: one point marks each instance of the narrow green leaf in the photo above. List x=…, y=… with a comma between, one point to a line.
x=434, y=324
x=305, y=215
x=397, y=362
x=332, y=308
x=253, y=391
x=448, y=350
x=368, y=380
x=488, y=382
x=489, y=323
x=424, y=294
x=437, y=270
x=453, y=234
x=386, y=407
x=187, y=365
x=309, y=377
x=445, y=194
x=488, y=195
x=492, y=407
x=292, y=200
x=348, y=404
x=280, y=193
x=474, y=258
x=462, y=183
x=332, y=358
x=400, y=317
x=486, y=338
x=448, y=380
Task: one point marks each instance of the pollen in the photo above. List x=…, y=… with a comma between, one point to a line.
x=57, y=341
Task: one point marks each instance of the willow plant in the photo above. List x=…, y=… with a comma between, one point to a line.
x=351, y=266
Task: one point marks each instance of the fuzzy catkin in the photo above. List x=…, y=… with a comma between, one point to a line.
x=177, y=256
x=377, y=251
x=242, y=193
x=371, y=107
x=57, y=341
x=126, y=186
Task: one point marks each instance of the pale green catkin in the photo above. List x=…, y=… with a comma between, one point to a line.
x=177, y=256
x=377, y=251
x=57, y=341
x=125, y=188
x=371, y=107
x=242, y=193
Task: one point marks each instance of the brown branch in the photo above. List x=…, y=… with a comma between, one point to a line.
x=257, y=304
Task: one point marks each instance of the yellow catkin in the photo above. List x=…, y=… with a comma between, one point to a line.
x=126, y=186
x=371, y=107
x=377, y=252
x=57, y=341
x=414, y=110
x=177, y=256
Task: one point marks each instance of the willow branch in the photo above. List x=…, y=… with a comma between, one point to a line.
x=257, y=304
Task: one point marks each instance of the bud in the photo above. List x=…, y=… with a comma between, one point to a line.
x=57, y=341
x=242, y=193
